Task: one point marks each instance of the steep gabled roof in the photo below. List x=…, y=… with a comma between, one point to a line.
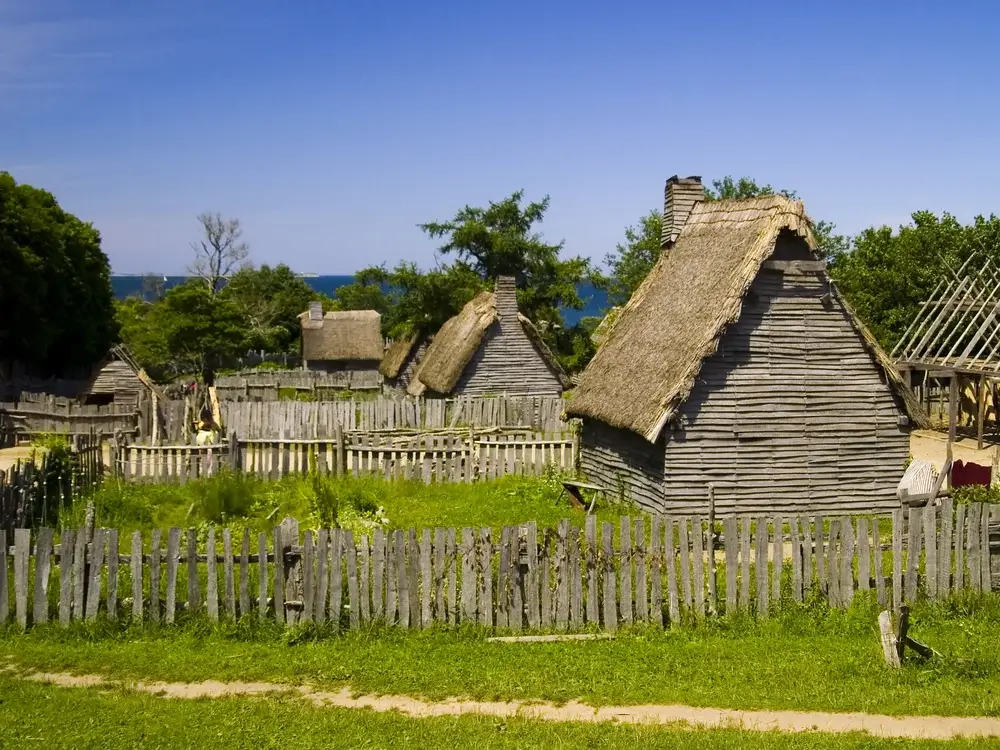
x=342, y=335
x=647, y=366
x=397, y=355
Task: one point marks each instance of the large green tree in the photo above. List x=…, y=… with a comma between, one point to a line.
x=56, y=302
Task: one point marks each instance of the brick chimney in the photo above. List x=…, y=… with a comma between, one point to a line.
x=679, y=197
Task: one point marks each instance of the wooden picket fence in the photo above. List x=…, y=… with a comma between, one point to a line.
x=430, y=457
x=655, y=570
x=266, y=385
x=37, y=414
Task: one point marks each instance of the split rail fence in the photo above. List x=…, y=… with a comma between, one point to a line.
x=656, y=570
x=435, y=457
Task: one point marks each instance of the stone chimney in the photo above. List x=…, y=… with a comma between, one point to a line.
x=679, y=197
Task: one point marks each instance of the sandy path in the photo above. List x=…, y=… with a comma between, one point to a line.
x=913, y=727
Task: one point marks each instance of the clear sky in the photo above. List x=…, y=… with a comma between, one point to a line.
x=331, y=129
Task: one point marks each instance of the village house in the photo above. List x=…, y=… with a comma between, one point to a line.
x=346, y=341
x=489, y=348
x=401, y=360
x=117, y=379
x=738, y=372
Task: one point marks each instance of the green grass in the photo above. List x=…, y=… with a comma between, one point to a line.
x=36, y=715
x=809, y=658
x=241, y=499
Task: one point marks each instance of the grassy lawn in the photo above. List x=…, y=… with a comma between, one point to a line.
x=236, y=500
x=35, y=715
x=807, y=659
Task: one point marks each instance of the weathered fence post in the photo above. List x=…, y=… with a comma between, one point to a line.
x=290, y=559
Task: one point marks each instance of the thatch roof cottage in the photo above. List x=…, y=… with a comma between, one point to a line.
x=489, y=348
x=737, y=370
x=401, y=361
x=342, y=340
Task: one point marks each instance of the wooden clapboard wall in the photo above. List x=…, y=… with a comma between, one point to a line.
x=657, y=570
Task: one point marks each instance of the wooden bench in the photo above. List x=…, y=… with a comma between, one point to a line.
x=575, y=491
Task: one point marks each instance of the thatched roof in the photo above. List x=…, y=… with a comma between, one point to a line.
x=342, y=335
x=603, y=329
x=397, y=355
x=648, y=365
x=454, y=345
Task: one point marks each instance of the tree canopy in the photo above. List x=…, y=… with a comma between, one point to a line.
x=56, y=301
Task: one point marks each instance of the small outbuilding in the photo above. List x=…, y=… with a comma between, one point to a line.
x=737, y=372
x=489, y=348
x=341, y=340
x=117, y=379
x=401, y=361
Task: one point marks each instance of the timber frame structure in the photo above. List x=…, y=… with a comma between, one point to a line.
x=956, y=337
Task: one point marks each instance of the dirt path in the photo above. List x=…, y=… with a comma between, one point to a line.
x=913, y=727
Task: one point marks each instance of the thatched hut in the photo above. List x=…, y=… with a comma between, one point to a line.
x=737, y=371
x=489, y=348
x=401, y=361
x=342, y=340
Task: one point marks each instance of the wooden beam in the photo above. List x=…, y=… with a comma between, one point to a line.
x=980, y=410
x=953, y=409
x=795, y=266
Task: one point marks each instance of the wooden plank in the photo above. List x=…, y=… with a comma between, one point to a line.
x=309, y=577
x=880, y=592
x=959, y=582
x=112, y=600
x=847, y=550
x=912, y=555
x=819, y=548
x=641, y=564
x=353, y=594
x=760, y=565
x=532, y=605
x=832, y=566
x=262, y=575
x=610, y=619
x=864, y=556
x=670, y=560
x=625, y=571
x=590, y=557
x=245, y=574
x=944, y=548
x=279, y=575
x=229, y=573
x=155, y=561
x=402, y=580
x=561, y=600
x=778, y=559
x=65, y=578
x=984, y=547
x=930, y=550
x=576, y=582
x=96, y=562
x=744, y=602
x=22, y=553
x=336, y=578
x=974, y=550
x=439, y=576
x=656, y=570
x=485, y=576
x=79, y=574
x=43, y=562
x=807, y=557
x=193, y=587
x=516, y=614
x=897, y=559
x=413, y=578
x=730, y=537
x=322, y=591
x=544, y=580
x=212, y=584
x=793, y=525
x=451, y=560
x=698, y=567
x=467, y=551
x=378, y=574
x=503, y=597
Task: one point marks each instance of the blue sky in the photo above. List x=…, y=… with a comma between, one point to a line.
x=331, y=129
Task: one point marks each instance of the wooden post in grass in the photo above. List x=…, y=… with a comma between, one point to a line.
x=952, y=422
x=292, y=570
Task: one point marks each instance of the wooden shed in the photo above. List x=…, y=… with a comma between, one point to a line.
x=737, y=371
x=401, y=360
x=341, y=340
x=489, y=348
x=117, y=379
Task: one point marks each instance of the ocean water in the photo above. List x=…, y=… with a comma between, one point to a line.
x=595, y=300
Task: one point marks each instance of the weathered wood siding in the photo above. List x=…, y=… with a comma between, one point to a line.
x=117, y=379
x=507, y=362
x=791, y=413
x=624, y=462
x=342, y=365
x=401, y=381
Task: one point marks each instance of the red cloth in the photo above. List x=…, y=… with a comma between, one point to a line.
x=963, y=474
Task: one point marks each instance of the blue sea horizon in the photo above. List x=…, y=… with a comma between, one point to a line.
x=595, y=300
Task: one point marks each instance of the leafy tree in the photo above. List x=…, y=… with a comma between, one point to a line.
x=500, y=240
x=56, y=301
x=632, y=260
x=220, y=252
x=885, y=275
x=269, y=301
